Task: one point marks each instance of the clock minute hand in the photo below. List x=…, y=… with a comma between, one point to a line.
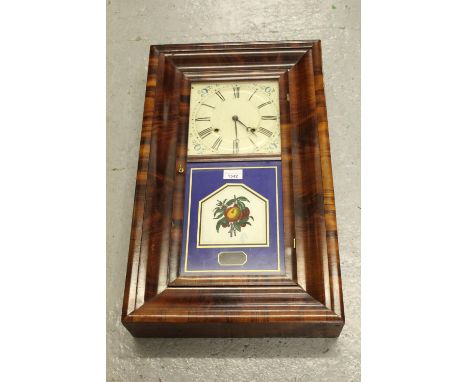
x=235, y=143
x=235, y=119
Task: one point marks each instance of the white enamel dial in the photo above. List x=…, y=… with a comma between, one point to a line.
x=235, y=118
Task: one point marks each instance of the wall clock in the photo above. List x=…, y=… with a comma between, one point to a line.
x=234, y=226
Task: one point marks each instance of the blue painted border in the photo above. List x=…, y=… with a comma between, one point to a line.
x=205, y=179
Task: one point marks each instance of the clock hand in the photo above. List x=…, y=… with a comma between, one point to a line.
x=250, y=130
x=243, y=124
x=235, y=143
x=235, y=119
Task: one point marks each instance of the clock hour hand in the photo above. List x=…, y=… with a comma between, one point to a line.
x=250, y=130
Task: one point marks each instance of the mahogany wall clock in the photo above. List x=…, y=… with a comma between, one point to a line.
x=234, y=227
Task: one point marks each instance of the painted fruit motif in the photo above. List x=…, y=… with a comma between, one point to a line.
x=245, y=214
x=232, y=213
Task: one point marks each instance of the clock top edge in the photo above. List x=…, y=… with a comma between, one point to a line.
x=167, y=48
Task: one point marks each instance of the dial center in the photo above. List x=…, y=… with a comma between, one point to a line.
x=233, y=112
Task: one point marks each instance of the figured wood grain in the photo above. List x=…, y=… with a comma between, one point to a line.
x=307, y=301
x=134, y=257
x=287, y=175
x=335, y=285
x=308, y=196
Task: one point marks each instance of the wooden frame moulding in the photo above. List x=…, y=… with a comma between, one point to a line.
x=307, y=301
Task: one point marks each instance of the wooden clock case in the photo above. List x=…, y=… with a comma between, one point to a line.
x=305, y=302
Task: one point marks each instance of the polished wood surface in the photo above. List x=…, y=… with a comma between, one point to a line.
x=307, y=301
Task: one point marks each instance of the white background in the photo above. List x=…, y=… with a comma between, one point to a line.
x=52, y=157
x=414, y=208
x=414, y=191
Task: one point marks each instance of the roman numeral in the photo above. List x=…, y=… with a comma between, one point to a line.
x=264, y=104
x=266, y=132
x=217, y=143
x=203, y=119
x=218, y=93
x=236, y=91
x=269, y=117
x=235, y=146
x=204, y=104
x=205, y=132
x=252, y=94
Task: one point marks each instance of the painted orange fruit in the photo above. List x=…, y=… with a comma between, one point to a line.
x=232, y=213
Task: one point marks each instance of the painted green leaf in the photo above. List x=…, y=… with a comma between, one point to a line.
x=243, y=198
x=242, y=221
x=219, y=223
x=230, y=201
x=219, y=215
